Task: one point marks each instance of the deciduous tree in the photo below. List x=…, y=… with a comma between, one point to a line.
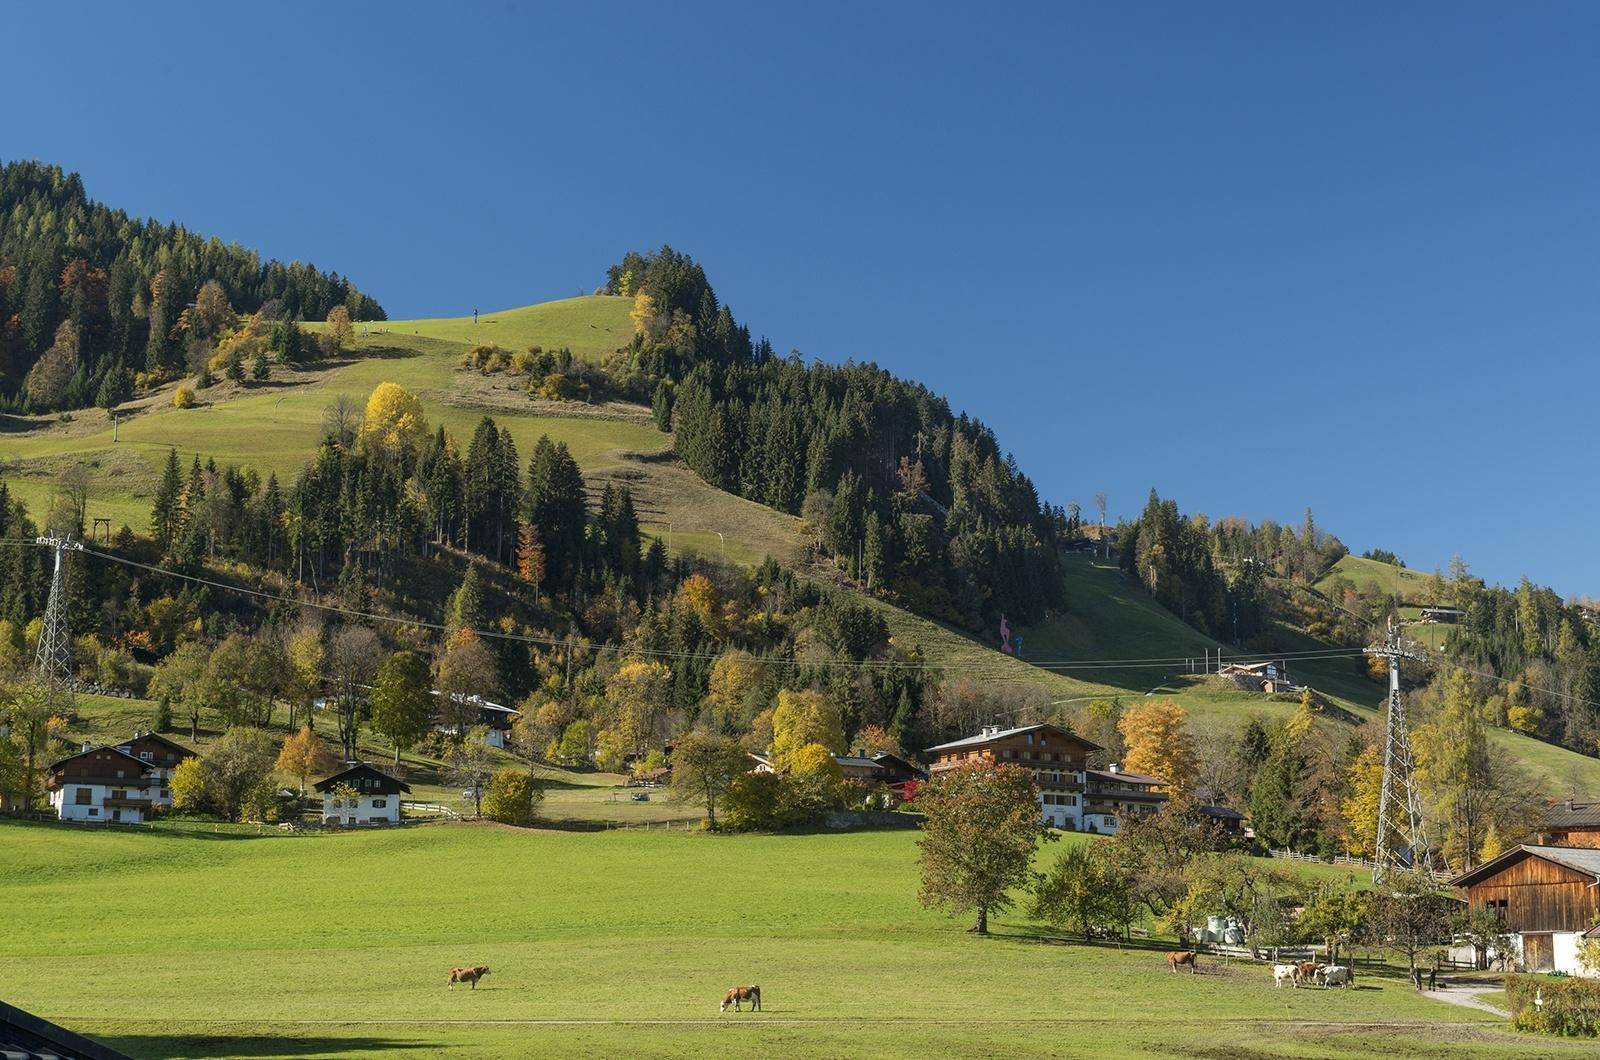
x=982, y=828
x=703, y=766
x=1160, y=744
x=402, y=700
x=303, y=756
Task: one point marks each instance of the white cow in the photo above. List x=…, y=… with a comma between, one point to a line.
x=1336, y=975
x=1284, y=972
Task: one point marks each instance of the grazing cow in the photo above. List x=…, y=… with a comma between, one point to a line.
x=1306, y=971
x=470, y=976
x=1282, y=973
x=1180, y=957
x=1336, y=975
x=738, y=994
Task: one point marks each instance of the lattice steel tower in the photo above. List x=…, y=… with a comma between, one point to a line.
x=54, y=658
x=1402, y=831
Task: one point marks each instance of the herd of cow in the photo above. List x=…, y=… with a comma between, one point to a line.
x=1309, y=972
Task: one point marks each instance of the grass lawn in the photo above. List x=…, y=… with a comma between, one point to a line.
x=1403, y=582
x=590, y=326
x=175, y=944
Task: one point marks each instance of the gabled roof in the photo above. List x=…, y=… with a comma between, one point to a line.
x=360, y=769
x=182, y=751
x=857, y=761
x=91, y=750
x=1122, y=774
x=1579, y=859
x=1571, y=814
x=1002, y=734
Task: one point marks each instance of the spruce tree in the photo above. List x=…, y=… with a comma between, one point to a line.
x=164, y=513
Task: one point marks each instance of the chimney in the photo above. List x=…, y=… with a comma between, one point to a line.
x=1113, y=768
x=86, y=746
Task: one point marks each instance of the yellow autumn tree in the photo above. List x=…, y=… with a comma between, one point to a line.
x=802, y=718
x=1160, y=744
x=1360, y=807
x=734, y=676
x=394, y=423
x=339, y=333
x=639, y=695
x=304, y=755
x=699, y=595
x=648, y=319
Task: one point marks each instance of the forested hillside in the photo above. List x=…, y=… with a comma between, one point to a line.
x=86, y=291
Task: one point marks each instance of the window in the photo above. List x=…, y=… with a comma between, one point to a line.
x=119, y=774
x=116, y=815
x=94, y=811
x=83, y=797
x=146, y=755
x=379, y=804
x=1498, y=905
x=1030, y=739
x=165, y=794
x=119, y=794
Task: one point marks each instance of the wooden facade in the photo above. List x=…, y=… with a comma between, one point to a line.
x=1537, y=890
x=1055, y=757
x=1571, y=824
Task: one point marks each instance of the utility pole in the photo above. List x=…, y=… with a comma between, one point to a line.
x=1402, y=832
x=54, y=657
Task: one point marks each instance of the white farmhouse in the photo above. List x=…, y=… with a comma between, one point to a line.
x=125, y=783
x=361, y=794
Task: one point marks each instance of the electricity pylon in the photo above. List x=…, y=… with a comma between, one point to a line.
x=54, y=658
x=1402, y=832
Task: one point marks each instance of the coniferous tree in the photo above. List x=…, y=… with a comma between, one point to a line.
x=165, y=514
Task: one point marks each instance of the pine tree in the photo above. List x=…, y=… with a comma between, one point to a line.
x=165, y=514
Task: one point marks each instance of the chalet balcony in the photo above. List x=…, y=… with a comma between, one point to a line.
x=130, y=804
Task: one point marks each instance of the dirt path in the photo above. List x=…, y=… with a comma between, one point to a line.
x=1466, y=997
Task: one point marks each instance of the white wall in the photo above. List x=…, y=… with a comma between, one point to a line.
x=65, y=801
x=363, y=812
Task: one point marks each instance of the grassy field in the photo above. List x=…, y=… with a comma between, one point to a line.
x=173, y=944
x=1387, y=578
x=590, y=326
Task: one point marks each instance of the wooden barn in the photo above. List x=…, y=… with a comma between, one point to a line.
x=1546, y=897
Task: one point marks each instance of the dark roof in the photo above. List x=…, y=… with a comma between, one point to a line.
x=857, y=761
x=1122, y=774
x=1002, y=734
x=391, y=785
x=1579, y=859
x=1571, y=814
x=889, y=758
x=1223, y=812
x=158, y=738
x=24, y=1034
x=91, y=750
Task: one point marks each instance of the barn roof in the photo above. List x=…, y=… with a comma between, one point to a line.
x=991, y=735
x=1578, y=859
x=1571, y=814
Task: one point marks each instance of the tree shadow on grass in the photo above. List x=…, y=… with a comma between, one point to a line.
x=218, y=1045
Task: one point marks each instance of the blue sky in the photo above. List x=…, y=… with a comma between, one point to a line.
x=1258, y=256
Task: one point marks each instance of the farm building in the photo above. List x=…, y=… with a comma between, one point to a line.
x=375, y=798
x=1228, y=820
x=495, y=719
x=1447, y=616
x=1259, y=677
x=124, y=783
x=1546, y=896
x=1112, y=793
x=1571, y=824
x=1055, y=757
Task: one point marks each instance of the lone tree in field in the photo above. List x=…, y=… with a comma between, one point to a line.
x=983, y=826
x=703, y=766
x=402, y=703
x=1410, y=915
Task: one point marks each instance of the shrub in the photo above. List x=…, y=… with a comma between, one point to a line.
x=1570, y=1006
x=512, y=798
x=754, y=803
x=183, y=398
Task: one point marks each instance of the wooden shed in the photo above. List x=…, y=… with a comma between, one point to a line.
x=1548, y=898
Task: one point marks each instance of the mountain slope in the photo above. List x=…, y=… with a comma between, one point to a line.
x=275, y=426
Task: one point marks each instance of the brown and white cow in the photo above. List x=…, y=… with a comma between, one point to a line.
x=1181, y=957
x=740, y=994
x=470, y=976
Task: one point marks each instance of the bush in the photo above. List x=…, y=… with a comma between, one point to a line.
x=1570, y=1009
x=754, y=803
x=183, y=398
x=512, y=797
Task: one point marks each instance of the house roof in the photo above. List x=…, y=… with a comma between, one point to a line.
x=91, y=750
x=1002, y=734
x=1224, y=812
x=1579, y=859
x=157, y=738
x=362, y=769
x=857, y=761
x=1124, y=775
x=1571, y=814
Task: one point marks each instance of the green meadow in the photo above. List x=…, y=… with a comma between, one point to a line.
x=171, y=944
